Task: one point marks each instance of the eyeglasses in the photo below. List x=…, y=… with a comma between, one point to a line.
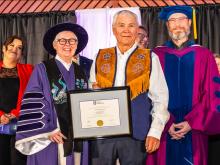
x=142, y=36
x=180, y=20
x=63, y=41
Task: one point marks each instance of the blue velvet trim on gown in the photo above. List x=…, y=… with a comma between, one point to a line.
x=30, y=127
x=179, y=73
x=32, y=106
x=31, y=116
x=216, y=80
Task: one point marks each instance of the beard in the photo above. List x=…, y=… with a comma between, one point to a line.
x=179, y=35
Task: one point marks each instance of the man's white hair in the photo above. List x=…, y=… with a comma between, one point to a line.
x=124, y=12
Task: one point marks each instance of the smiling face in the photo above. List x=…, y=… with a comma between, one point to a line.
x=12, y=51
x=178, y=26
x=125, y=29
x=65, y=44
x=142, y=38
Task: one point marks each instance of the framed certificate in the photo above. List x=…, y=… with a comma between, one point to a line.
x=100, y=113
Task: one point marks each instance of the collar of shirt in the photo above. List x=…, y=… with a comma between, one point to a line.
x=128, y=52
x=66, y=65
x=186, y=44
x=121, y=65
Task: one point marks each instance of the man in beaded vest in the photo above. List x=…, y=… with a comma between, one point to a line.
x=128, y=65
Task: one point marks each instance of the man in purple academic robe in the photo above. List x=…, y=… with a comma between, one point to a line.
x=194, y=94
x=44, y=130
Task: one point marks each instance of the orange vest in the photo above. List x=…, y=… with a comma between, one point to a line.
x=137, y=70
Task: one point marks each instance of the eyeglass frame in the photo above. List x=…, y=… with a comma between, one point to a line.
x=174, y=20
x=142, y=36
x=67, y=40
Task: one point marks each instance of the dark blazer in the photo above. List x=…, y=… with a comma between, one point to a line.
x=86, y=64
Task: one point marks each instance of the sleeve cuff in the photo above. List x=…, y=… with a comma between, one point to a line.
x=15, y=112
x=155, y=133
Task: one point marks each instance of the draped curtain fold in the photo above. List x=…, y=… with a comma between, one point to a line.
x=32, y=27
x=208, y=23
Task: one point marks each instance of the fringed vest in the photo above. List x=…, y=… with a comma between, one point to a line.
x=137, y=77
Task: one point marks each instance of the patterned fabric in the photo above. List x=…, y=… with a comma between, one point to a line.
x=137, y=70
x=31, y=113
x=81, y=84
x=8, y=72
x=59, y=95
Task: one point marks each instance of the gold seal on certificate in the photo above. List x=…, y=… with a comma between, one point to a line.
x=100, y=123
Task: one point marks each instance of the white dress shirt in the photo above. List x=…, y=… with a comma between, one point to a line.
x=158, y=91
x=66, y=65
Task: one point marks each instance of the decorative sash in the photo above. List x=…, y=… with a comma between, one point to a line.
x=63, y=111
x=137, y=73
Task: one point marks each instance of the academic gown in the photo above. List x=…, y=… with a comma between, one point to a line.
x=194, y=96
x=39, y=120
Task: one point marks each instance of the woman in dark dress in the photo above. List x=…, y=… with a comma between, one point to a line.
x=13, y=80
